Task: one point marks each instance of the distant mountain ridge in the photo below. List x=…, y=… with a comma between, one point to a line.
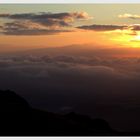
x=80, y=50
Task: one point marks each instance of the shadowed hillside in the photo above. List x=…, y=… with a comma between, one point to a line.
x=18, y=118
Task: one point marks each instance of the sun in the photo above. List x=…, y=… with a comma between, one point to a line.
x=135, y=41
x=125, y=39
x=137, y=38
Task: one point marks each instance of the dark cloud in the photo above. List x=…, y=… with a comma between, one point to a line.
x=135, y=27
x=28, y=28
x=43, y=15
x=40, y=23
x=96, y=27
x=131, y=28
x=4, y=15
x=32, y=32
x=1, y=27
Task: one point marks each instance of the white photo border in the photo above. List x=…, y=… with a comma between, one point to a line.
x=69, y=1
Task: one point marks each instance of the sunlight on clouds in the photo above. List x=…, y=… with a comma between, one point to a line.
x=137, y=38
x=125, y=37
x=129, y=16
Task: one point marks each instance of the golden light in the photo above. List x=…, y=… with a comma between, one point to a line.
x=135, y=41
x=137, y=38
x=124, y=38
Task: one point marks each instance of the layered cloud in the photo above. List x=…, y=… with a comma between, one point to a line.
x=40, y=23
x=52, y=23
x=29, y=28
x=132, y=29
x=1, y=27
x=135, y=27
x=96, y=27
x=68, y=17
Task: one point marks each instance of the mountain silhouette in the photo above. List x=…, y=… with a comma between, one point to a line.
x=18, y=118
x=11, y=102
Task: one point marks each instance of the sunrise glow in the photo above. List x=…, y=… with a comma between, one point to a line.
x=84, y=26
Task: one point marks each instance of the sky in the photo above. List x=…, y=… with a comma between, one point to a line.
x=52, y=25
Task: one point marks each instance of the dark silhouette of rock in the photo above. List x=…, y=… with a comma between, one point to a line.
x=97, y=125
x=18, y=118
x=11, y=102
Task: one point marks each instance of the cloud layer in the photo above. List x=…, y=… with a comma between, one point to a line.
x=96, y=27
x=40, y=23
x=90, y=84
x=52, y=23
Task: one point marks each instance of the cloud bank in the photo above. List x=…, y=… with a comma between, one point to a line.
x=96, y=27
x=40, y=23
x=45, y=23
x=94, y=85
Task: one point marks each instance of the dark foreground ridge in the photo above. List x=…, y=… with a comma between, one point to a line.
x=18, y=118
